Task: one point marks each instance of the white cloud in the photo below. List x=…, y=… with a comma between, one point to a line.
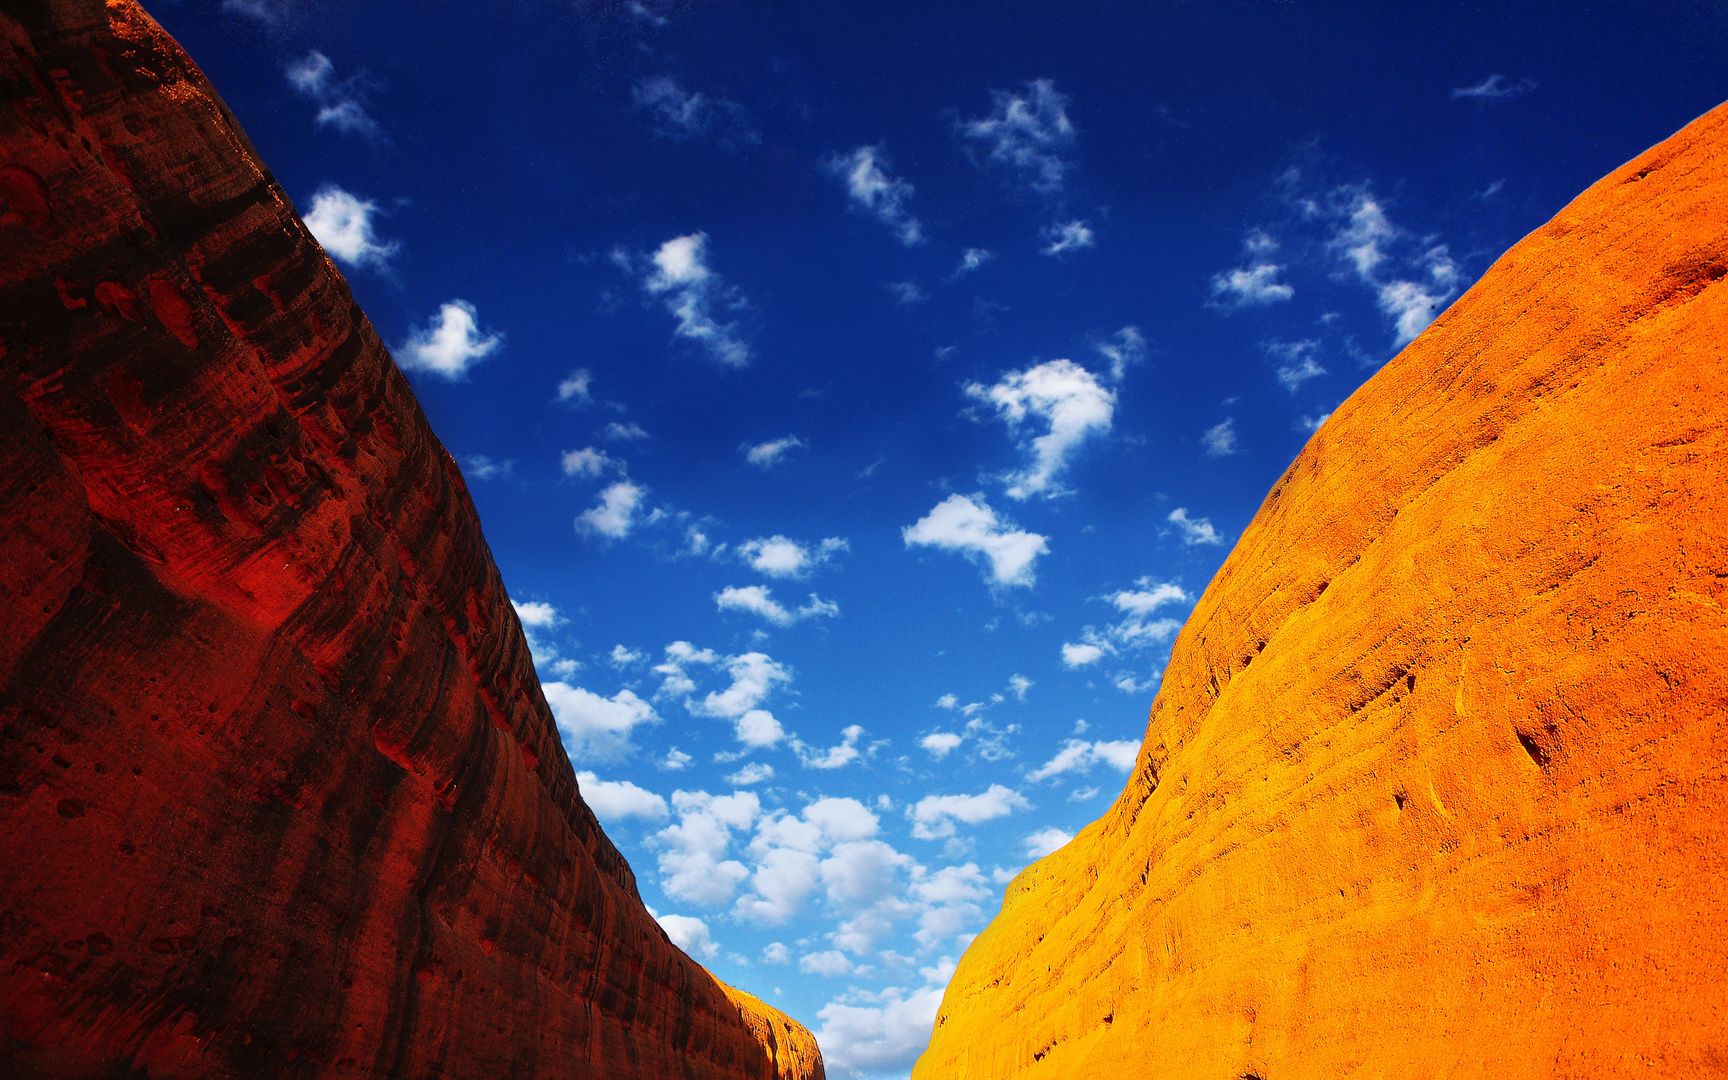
x=1415, y=304
x=753, y=773
x=1071, y=406
x=537, y=614
x=1018, y=685
x=1295, y=359
x=623, y=658
x=1365, y=238
x=863, y=874
x=1079, y=655
x=342, y=223
x=1045, y=841
x=575, y=387
x=1149, y=597
x=870, y=188
x=1220, y=439
x=1494, y=86
x=631, y=432
x=1312, y=423
x=835, y=757
x=757, y=600
x=831, y=963
x=690, y=934
x=882, y=1037
x=1026, y=133
x=450, y=344
x=766, y=455
x=590, y=463
x=615, y=800
x=593, y=726
x=616, y=514
x=1077, y=755
x=972, y=259
x=1253, y=285
x=787, y=850
x=691, y=291
x=940, y=743
x=1124, y=350
x=682, y=113
x=971, y=527
x=907, y=293
x=693, y=865
x=754, y=676
x=780, y=557
x=934, y=815
x=776, y=952
x=1066, y=236
x=758, y=728
x=1194, y=530
x=339, y=101
x=674, y=760
x=481, y=467
x=680, y=655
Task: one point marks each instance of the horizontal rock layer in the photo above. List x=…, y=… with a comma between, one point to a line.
x=1436, y=783
x=279, y=793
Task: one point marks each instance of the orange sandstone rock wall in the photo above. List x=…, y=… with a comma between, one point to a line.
x=279, y=793
x=1437, y=780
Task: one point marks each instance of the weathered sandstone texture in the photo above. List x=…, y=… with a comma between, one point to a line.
x=279, y=794
x=1437, y=780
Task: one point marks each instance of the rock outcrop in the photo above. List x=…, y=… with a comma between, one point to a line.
x=279, y=793
x=1437, y=780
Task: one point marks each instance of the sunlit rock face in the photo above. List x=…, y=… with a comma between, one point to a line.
x=279, y=793
x=1437, y=780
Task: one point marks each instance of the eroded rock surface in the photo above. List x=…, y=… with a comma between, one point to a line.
x=279, y=793
x=1437, y=780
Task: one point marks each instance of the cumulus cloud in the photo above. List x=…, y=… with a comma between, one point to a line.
x=536, y=613
x=754, y=676
x=681, y=114
x=342, y=224
x=1220, y=439
x=881, y=1033
x=759, y=728
x=1066, y=236
x=537, y=617
x=757, y=600
x=595, y=727
x=835, y=757
x=693, y=864
x=830, y=963
x=971, y=259
x=1077, y=755
x=1027, y=133
x=1045, y=842
x=574, y=387
x=1194, y=530
x=617, y=513
x=1126, y=349
x=940, y=743
x=341, y=102
x=780, y=557
x=871, y=188
x=1062, y=398
x=753, y=773
x=589, y=463
x=829, y=845
x=450, y=344
x=678, y=275
x=766, y=455
x=933, y=816
x=1139, y=629
x=776, y=952
x=1494, y=86
x=690, y=934
x=1254, y=284
x=968, y=525
x=616, y=800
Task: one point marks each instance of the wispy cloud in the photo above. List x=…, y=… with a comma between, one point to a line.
x=972, y=259
x=1194, y=530
x=1411, y=288
x=450, y=344
x=758, y=600
x=766, y=455
x=589, y=463
x=617, y=432
x=1295, y=361
x=907, y=293
x=934, y=816
x=678, y=274
x=1494, y=86
x=1067, y=236
x=1063, y=398
x=1254, y=284
x=1140, y=627
x=1220, y=439
x=681, y=114
x=1045, y=842
x=343, y=225
x=616, y=515
x=574, y=387
x=1079, y=756
x=341, y=102
x=1027, y=133
x=1124, y=350
x=968, y=525
x=872, y=189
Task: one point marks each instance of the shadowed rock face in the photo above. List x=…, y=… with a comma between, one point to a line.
x=1437, y=780
x=279, y=794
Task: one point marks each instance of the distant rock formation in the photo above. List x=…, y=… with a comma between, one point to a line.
x=279, y=793
x=1437, y=780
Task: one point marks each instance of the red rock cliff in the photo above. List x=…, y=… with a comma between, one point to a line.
x=279, y=794
x=1437, y=780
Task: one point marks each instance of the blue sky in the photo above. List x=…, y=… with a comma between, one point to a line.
x=857, y=396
